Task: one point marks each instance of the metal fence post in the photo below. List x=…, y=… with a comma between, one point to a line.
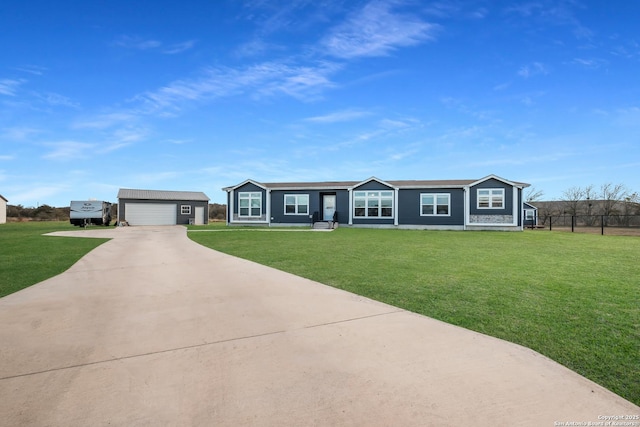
x=572, y=222
x=602, y=225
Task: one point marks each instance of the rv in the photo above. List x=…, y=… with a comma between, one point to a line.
x=83, y=213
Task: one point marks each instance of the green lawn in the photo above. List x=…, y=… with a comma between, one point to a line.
x=572, y=297
x=27, y=257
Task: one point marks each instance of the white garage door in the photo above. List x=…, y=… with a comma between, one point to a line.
x=151, y=214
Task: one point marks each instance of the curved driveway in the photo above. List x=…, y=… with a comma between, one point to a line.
x=152, y=329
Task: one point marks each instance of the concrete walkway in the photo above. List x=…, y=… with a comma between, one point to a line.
x=151, y=329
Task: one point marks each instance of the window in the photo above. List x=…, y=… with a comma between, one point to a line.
x=530, y=214
x=435, y=204
x=373, y=204
x=250, y=204
x=491, y=198
x=185, y=209
x=296, y=204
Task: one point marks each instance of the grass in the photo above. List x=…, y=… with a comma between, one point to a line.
x=572, y=297
x=27, y=257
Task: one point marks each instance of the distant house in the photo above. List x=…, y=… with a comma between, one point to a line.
x=154, y=207
x=489, y=203
x=530, y=215
x=3, y=209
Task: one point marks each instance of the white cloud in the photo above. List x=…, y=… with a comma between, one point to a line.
x=68, y=150
x=338, y=116
x=9, y=87
x=135, y=42
x=265, y=79
x=376, y=30
x=533, y=69
x=179, y=47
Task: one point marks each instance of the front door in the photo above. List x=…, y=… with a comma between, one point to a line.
x=328, y=207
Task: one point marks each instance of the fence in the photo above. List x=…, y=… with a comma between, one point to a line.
x=597, y=224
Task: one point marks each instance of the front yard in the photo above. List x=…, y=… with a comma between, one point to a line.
x=572, y=297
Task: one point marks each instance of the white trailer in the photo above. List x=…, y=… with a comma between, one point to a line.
x=85, y=212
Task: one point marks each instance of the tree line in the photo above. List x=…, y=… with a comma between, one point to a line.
x=49, y=213
x=609, y=200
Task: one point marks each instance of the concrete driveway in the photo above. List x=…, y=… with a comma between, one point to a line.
x=151, y=329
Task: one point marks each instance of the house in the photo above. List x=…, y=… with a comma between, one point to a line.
x=153, y=207
x=3, y=209
x=530, y=215
x=490, y=203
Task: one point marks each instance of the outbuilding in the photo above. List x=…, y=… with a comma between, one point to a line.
x=155, y=207
x=3, y=209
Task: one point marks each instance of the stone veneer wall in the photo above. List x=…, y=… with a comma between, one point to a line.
x=491, y=219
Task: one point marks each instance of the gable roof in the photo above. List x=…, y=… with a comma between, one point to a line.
x=346, y=185
x=3, y=198
x=506, y=181
x=128, y=193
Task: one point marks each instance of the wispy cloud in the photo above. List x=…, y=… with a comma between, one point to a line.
x=533, y=69
x=139, y=43
x=136, y=42
x=339, y=116
x=376, y=30
x=9, y=87
x=5, y=157
x=103, y=121
x=175, y=48
x=19, y=133
x=32, y=69
x=68, y=150
x=591, y=63
x=262, y=80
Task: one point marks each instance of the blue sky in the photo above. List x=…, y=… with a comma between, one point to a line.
x=198, y=95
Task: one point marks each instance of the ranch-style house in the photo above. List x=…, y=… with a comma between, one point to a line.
x=489, y=203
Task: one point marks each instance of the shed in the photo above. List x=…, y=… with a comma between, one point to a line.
x=3, y=209
x=155, y=207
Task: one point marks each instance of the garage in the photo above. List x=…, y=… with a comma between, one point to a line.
x=159, y=207
x=151, y=214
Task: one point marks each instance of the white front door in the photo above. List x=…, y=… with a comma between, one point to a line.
x=328, y=207
x=199, y=219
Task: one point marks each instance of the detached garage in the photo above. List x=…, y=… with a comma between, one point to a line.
x=153, y=207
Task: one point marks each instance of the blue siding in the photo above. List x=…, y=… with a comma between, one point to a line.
x=373, y=185
x=409, y=207
x=315, y=206
x=249, y=187
x=491, y=183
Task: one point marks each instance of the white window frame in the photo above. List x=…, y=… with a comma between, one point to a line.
x=250, y=196
x=370, y=197
x=529, y=214
x=296, y=204
x=435, y=204
x=494, y=194
x=185, y=209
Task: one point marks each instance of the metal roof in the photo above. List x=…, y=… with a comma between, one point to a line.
x=128, y=193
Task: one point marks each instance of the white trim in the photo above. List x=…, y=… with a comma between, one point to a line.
x=267, y=211
x=373, y=178
x=491, y=190
x=435, y=204
x=394, y=198
x=467, y=207
x=395, y=206
x=350, y=206
x=250, y=207
x=231, y=206
x=182, y=210
x=296, y=204
x=488, y=177
x=516, y=211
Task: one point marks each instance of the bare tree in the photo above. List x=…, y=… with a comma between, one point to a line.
x=533, y=195
x=611, y=195
x=572, y=198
